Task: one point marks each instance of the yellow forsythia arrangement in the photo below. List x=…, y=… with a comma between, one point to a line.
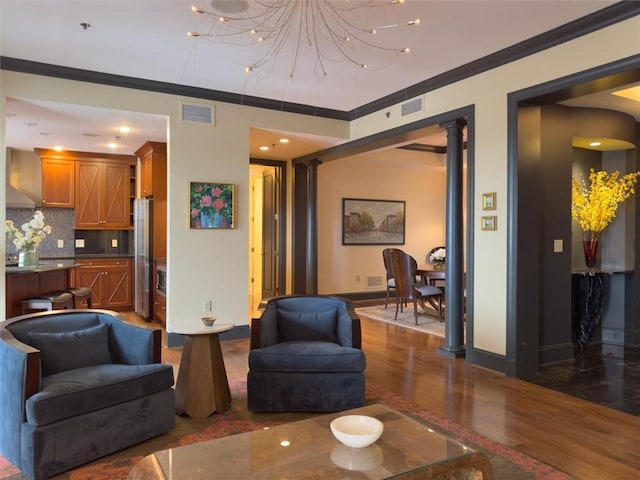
x=594, y=207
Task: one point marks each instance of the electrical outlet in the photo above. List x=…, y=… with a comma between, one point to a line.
x=114, y=243
x=60, y=243
x=357, y=278
x=79, y=242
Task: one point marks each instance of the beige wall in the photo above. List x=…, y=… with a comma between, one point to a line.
x=416, y=178
x=202, y=264
x=214, y=265
x=488, y=92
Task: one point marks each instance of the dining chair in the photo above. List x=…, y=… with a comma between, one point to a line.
x=391, y=283
x=404, y=268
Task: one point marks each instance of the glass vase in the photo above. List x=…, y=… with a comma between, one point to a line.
x=590, y=245
x=28, y=259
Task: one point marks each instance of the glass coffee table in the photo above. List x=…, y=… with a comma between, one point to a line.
x=407, y=449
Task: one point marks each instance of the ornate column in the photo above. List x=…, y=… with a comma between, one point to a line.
x=312, y=227
x=454, y=281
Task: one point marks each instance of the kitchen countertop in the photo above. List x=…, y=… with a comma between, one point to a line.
x=44, y=266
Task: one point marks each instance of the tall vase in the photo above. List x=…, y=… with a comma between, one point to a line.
x=590, y=245
x=28, y=259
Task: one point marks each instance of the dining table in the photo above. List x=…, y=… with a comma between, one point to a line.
x=431, y=274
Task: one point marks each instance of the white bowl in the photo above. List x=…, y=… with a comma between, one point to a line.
x=357, y=431
x=208, y=321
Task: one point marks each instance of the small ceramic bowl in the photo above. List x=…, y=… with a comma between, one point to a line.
x=208, y=321
x=356, y=431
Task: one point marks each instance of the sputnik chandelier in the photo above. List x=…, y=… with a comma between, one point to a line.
x=330, y=29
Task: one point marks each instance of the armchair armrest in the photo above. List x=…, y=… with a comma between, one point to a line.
x=133, y=344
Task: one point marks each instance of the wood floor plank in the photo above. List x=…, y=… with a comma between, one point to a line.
x=584, y=439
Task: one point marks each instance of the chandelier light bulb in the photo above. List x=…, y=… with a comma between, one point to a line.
x=195, y=9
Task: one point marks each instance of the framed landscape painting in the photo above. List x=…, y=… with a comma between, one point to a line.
x=211, y=205
x=372, y=222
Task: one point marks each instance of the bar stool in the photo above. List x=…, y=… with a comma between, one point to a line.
x=81, y=297
x=51, y=301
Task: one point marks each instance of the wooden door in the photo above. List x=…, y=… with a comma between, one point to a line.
x=91, y=277
x=116, y=191
x=89, y=197
x=58, y=185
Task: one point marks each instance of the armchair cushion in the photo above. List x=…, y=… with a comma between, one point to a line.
x=70, y=350
x=307, y=357
x=301, y=326
x=76, y=392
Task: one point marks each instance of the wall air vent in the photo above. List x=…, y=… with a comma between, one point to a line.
x=412, y=106
x=374, y=281
x=192, y=112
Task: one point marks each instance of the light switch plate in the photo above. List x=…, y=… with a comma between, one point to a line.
x=558, y=245
x=60, y=243
x=79, y=242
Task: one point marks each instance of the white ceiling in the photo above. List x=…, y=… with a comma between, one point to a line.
x=147, y=39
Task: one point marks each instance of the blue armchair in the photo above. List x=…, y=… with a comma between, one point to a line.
x=78, y=385
x=305, y=355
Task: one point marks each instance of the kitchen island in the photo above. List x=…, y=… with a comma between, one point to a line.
x=49, y=276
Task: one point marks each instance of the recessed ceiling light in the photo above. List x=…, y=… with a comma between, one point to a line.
x=264, y=148
x=112, y=145
x=58, y=148
x=284, y=140
x=595, y=144
x=124, y=129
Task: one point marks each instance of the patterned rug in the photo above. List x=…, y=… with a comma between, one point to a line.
x=506, y=462
x=426, y=323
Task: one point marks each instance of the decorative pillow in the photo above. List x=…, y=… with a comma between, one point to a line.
x=69, y=350
x=315, y=326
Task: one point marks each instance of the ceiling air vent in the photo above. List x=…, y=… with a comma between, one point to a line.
x=191, y=112
x=412, y=106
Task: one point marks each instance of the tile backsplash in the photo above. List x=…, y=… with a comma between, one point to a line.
x=62, y=221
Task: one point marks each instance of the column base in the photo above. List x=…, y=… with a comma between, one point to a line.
x=452, y=351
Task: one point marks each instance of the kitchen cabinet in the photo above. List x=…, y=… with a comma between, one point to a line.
x=110, y=279
x=153, y=184
x=159, y=292
x=103, y=195
x=58, y=182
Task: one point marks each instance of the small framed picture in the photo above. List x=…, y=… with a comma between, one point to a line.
x=489, y=201
x=489, y=223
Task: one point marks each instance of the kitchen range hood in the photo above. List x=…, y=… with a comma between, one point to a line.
x=14, y=197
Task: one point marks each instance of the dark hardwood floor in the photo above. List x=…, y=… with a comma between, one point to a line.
x=583, y=438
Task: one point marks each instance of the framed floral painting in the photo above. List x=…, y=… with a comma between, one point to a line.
x=212, y=205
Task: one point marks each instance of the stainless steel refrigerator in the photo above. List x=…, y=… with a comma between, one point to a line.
x=143, y=209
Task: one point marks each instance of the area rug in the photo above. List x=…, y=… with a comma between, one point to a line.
x=426, y=323
x=506, y=462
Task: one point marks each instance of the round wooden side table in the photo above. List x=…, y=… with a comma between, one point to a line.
x=202, y=386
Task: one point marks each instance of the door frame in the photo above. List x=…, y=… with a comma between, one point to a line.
x=281, y=167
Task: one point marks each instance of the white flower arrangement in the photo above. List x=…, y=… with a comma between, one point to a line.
x=31, y=234
x=438, y=256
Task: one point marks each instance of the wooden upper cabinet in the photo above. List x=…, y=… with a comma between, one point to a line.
x=153, y=169
x=153, y=183
x=99, y=186
x=103, y=193
x=58, y=182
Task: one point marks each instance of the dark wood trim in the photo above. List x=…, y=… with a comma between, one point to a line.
x=523, y=277
x=281, y=165
x=73, y=155
x=605, y=17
